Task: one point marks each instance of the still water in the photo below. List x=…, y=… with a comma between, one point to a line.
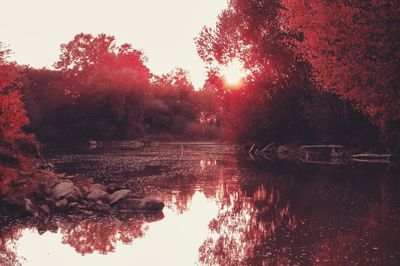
x=221, y=209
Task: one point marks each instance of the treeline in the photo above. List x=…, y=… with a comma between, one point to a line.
x=319, y=71
x=105, y=92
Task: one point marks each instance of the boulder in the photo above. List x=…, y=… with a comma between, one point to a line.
x=111, y=188
x=50, y=181
x=99, y=206
x=99, y=187
x=74, y=195
x=61, y=204
x=44, y=208
x=119, y=195
x=146, y=204
x=86, y=190
x=74, y=205
x=62, y=189
x=47, y=184
x=128, y=204
x=97, y=194
x=86, y=212
x=29, y=208
x=151, y=204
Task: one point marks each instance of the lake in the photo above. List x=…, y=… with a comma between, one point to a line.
x=221, y=208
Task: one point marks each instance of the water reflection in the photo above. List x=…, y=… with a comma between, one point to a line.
x=224, y=211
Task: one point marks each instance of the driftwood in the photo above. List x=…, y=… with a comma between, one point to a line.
x=371, y=158
x=321, y=146
x=254, y=152
x=316, y=154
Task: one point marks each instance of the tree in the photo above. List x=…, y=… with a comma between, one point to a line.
x=86, y=54
x=17, y=149
x=12, y=113
x=250, y=31
x=106, y=84
x=353, y=47
x=171, y=103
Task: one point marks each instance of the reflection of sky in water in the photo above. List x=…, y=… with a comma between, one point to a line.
x=171, y=241
x=222, y=211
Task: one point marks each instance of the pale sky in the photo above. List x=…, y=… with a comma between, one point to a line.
x=163, y=29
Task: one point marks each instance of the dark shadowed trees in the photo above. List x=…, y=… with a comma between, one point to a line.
x=105, y=91
x=280, y=98
x=353, y=47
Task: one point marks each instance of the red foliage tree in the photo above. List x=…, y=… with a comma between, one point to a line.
x=249, y=30
x=12, y=114
x=353, y=47
x=87, y=54
x=15, y=145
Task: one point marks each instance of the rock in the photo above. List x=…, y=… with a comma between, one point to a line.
x=61, y=204
x=128, y=204
x=151, y=204
x=99, y=187
x=62, y=189
x=47, y=184
x=98, y=194
x=111, y=188
x=74, y=195
x=73, y=205
x=44, y=208
x=86, y=190
x=100, y=206
x=118, y=195
x=84, y=183
x=86, y=212
x=146, y=204
x=29, y=208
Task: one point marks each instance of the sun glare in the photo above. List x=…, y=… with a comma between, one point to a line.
x=233, y=73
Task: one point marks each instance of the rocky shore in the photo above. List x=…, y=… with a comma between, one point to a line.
x=77, y=194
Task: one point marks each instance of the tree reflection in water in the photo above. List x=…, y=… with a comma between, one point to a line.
x=244, y=221
x=85, y=235
x=275, y=215
x=101, y=235
x=8, y=256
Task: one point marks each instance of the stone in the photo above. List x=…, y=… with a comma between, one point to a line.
x=146, y=204
x=62, y=189
x=74, y=205
x=44, y=208
x=74, y=195
x=128, y=204
x=118, y=195
x=86, y=212
x=99, y=206
x=29, y=208
x=111, y=188
x=61, y=204
x=98, y=194
x=85, y=190
x=99, y=187
x=151, y=204
x=47, y=184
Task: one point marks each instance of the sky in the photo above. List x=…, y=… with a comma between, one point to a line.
x=163, y=29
